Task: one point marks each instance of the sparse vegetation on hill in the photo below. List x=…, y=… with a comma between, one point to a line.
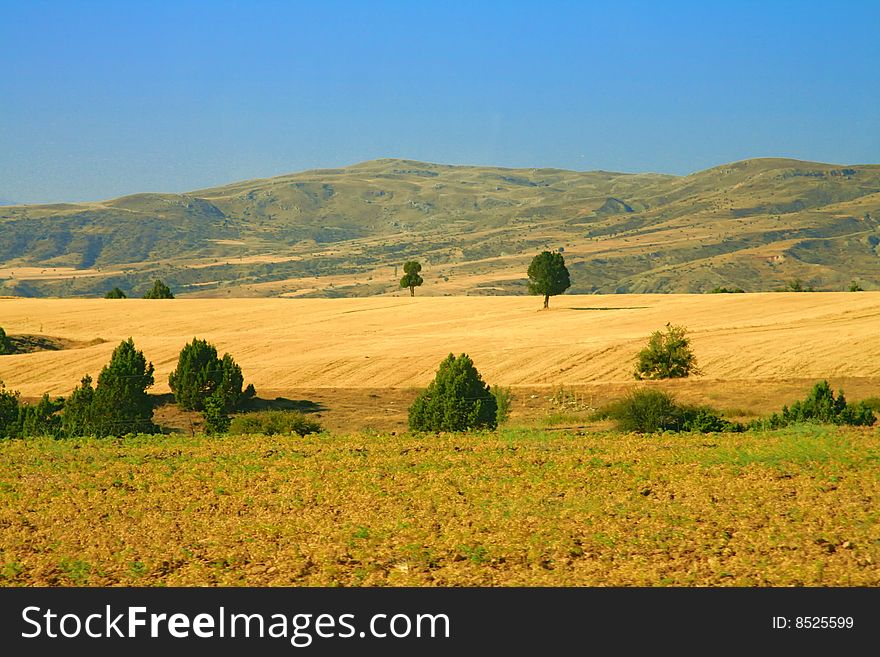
x=752, y=224
x=456, y=400
x=667, y=356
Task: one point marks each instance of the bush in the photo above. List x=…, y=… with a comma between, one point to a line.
x=121, y=403
x=503, y=399
x=159, y=291
x=216, y=419
x=650, y=411
x=271, y=423
x=456, y=400
x=77, y=416
x=8, y=412
x=200, y=374
x=5, y=344
x=821, y=407
x=855, y=287
x=115, y=293
x=726, y=290
x=667, y=356
x=40, y=419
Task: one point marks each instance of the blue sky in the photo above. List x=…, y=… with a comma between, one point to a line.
x=100, y=99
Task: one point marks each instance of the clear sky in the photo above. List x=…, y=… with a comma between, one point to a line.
x=100, y=99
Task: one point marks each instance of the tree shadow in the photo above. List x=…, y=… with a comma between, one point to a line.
x=283, y=404
x=612, y=308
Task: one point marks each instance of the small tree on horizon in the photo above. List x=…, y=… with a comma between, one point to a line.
x=548, y=276
x=411, y=278
x=159, y=291
x=116, y=293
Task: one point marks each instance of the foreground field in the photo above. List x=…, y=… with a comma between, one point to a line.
x=519, y=507
x=397, y=342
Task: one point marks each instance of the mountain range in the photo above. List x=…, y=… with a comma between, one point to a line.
x=755, y=224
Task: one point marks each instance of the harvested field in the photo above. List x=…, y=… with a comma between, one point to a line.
x=397, y=342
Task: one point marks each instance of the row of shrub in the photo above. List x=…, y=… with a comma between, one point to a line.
x=119, y=402
x=649, y=411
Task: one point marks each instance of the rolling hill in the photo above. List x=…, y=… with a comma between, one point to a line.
x=753, y=224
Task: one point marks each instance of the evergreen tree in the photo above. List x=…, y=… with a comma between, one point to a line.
x=411, y=278
x=159, y=291
x=77, y=415
x=5, y=344
x=8, y=412
x=216, y=419
x=548, y=275
x=456, y=400
x=200, y=374
x=121, y=403
x=116, y=293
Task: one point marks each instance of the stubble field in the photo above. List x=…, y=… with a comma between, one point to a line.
x=545, y=500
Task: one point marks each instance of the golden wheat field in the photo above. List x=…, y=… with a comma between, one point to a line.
x=794, y=507
x=397, y=342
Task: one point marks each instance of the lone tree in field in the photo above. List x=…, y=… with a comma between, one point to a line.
x=159, y=291
x=667, y=356
x=5, y=344
x=121, y=404
x=548, y=275
x=201, y=375
x=116, y=293
x=456, y=400
x=411, y=278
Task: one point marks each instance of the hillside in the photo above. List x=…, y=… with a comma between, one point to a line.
x=342, y=232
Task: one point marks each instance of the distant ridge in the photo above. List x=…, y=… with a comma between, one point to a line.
x=754, y=224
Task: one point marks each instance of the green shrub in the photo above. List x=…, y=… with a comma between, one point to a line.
x=503, y=399
x=5, y=344
x=649, y=411
x=667, y=356
x=8, y=412
x=40, y=419
x=159, y=291
x=115, y=293
x=726, y=290
x=200, y=374
x=121, y=404
x=271, y=423
x=456, y=400
x=820, y=407
x=855, y=287
x=216, y=419
x=77, y=416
